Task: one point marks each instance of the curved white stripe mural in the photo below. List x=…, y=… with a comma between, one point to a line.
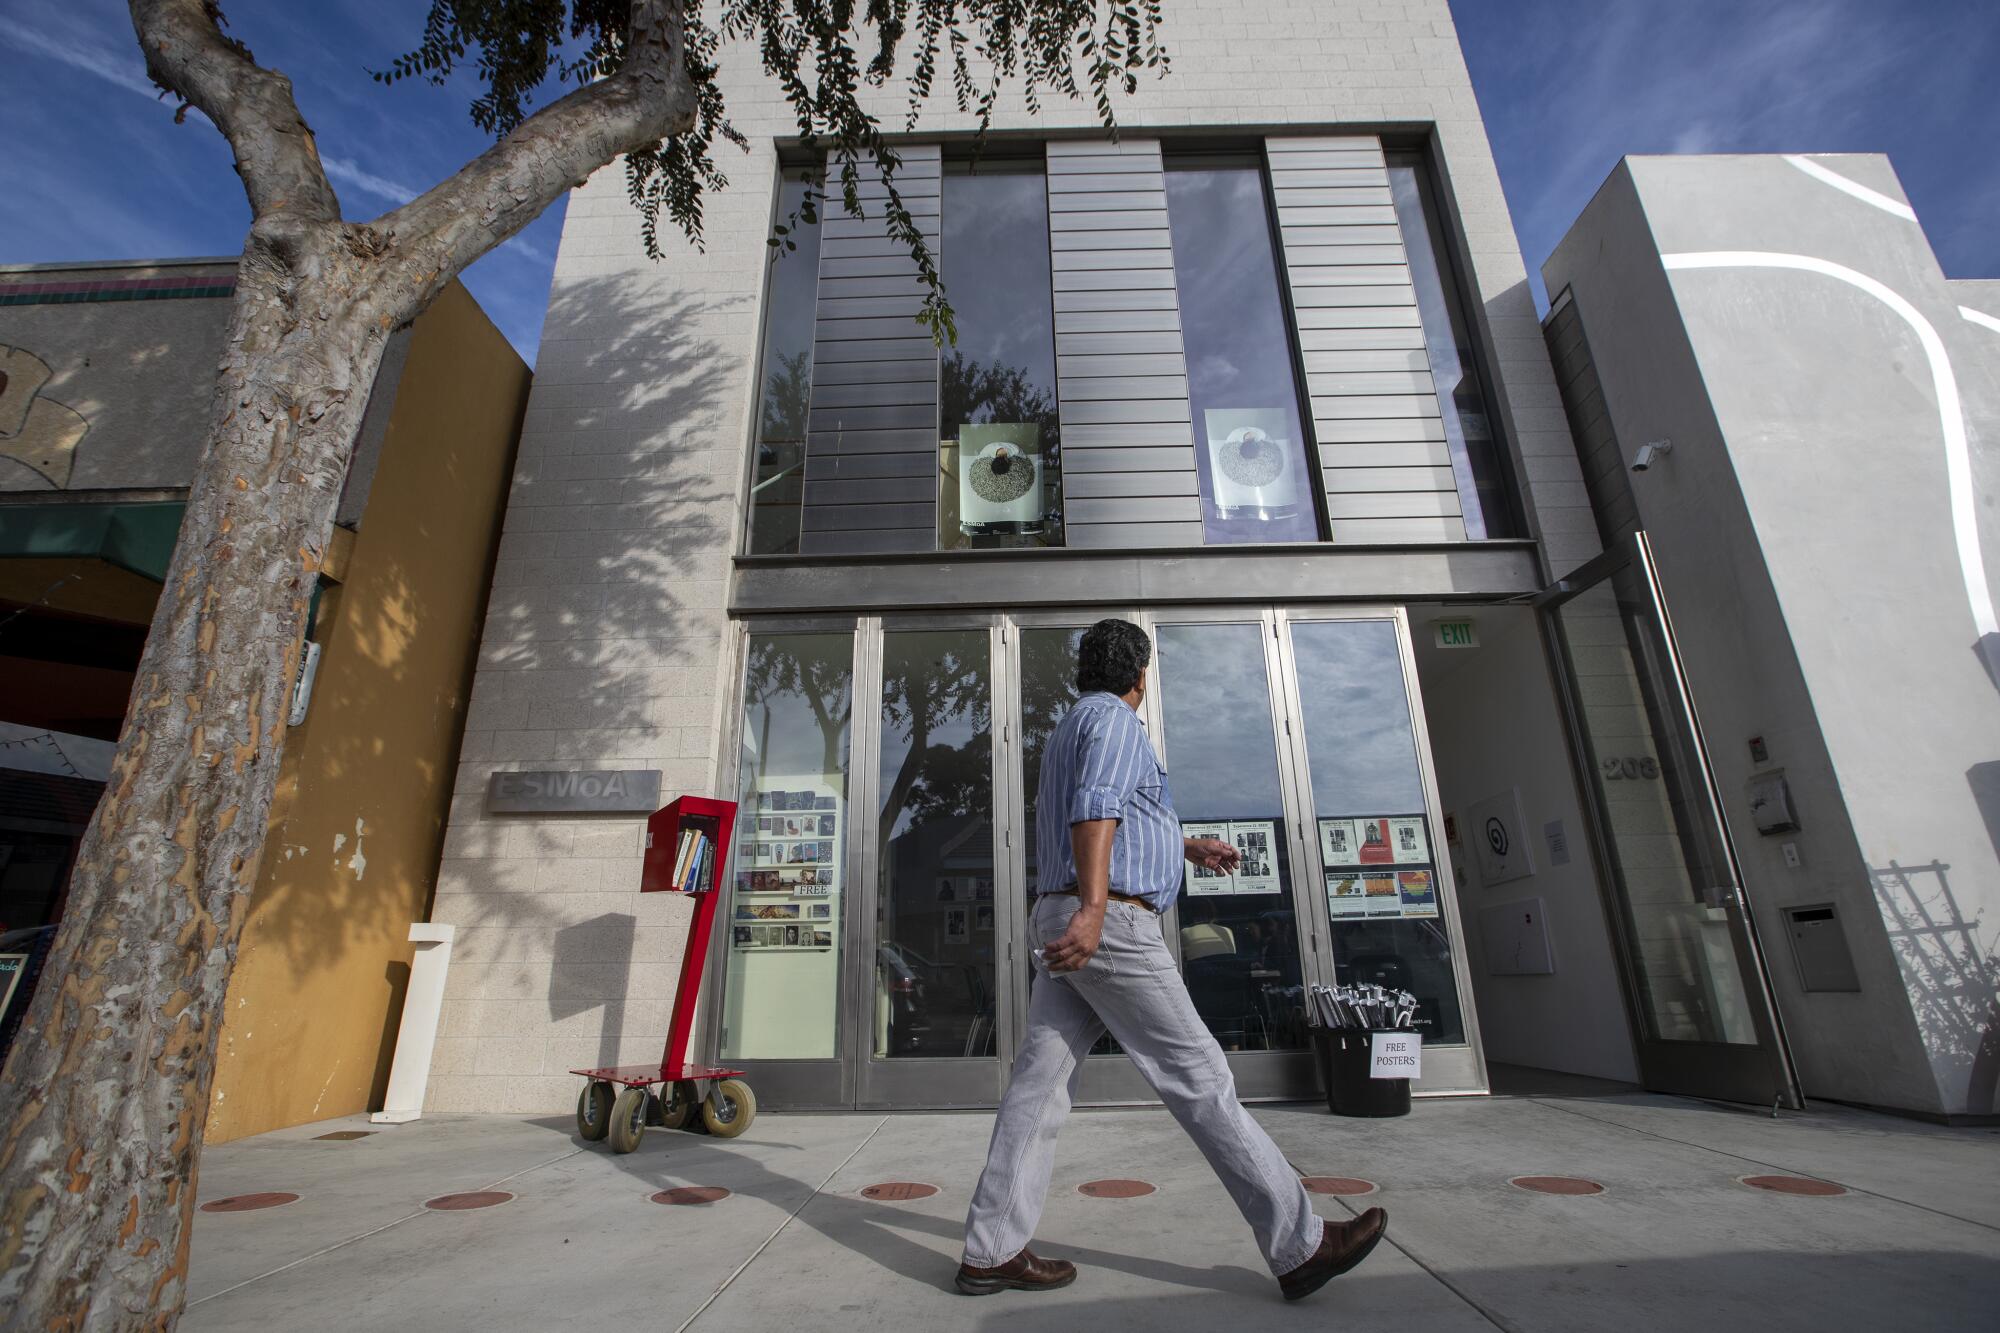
x=1951, y=410
x=1873, y=198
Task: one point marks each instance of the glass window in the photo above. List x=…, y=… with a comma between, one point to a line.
x=778, y=481
x=934, y=977
x=1239, y=933
x=999, y=465
x=782, y=986
x=1375, y=839
x=1475, y=453
x=1250, y=448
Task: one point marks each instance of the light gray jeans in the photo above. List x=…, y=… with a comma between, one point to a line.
x=1131, y=987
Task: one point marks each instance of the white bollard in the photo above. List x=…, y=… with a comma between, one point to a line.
x=417, y=1035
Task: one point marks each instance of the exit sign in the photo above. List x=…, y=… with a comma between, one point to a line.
x=1456, y=633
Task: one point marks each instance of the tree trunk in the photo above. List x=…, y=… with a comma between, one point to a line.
x=103, y=1103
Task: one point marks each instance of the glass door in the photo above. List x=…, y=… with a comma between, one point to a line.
x=1381, y=882
x=1688, y=950
x=934, y=907
x=785, y=935
x=1242, y=938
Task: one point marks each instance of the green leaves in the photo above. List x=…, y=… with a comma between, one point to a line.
x=812, y=49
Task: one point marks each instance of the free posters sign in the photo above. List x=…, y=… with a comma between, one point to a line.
x=1255, y=843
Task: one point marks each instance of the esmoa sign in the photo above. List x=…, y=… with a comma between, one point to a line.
x=588, y=791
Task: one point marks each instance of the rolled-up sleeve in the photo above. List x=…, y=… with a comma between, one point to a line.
x=1108, y=768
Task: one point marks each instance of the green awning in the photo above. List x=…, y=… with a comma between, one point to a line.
x=135, y=537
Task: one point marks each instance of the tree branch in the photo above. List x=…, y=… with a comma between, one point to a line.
x=188, y=55
x=649, y=98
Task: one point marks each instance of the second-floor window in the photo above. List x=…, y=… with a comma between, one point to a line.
x=1000, y=460
x=1250, y=445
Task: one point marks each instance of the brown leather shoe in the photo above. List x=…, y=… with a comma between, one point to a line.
x=1024, y=1272
x=1344, y=1245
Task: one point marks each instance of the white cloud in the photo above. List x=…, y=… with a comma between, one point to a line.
x=120, y=68
x=343, y=172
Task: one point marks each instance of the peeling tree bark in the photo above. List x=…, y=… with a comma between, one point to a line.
x=104, y=1100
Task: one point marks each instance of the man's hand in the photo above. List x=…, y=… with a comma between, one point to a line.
x=1075, y=946
x=1211, y=853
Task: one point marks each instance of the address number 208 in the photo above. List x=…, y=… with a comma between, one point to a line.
x=1631, y=767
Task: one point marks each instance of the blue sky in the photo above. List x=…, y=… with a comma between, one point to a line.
x=97, y=169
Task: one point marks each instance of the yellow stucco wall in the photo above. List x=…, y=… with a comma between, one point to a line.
x=356, y=828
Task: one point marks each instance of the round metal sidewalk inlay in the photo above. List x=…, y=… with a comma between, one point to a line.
x=458, y=1203
x=342, y=1136
x=692, y=1194
x=899, y=1191
x=1338, y=1185
x=245, y=1203
x=1558, y=1184
x=1818, y=1189
x=1115, y=1189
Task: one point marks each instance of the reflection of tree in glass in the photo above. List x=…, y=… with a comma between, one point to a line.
x=935, y=683
x=787, y=391
x=800, y=666
x=976, y=393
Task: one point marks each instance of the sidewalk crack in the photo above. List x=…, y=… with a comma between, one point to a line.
x=372, y=1231
x=818, y=1189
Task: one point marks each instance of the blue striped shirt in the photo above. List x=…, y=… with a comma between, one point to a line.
x=1100, y=764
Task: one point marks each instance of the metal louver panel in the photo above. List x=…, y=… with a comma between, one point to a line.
x=1383, y=457
x=1128, y=449
x=872, y=431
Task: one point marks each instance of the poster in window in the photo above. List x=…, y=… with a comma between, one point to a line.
x=1339, y=843
x=1382, y=896
x=1409, y=841
x=1201, y=881
x=1250, y=461
x=1418, y=891
x=1000, y=478
x=1376, y=849
x=1257, y=870
x=1346, y=895
x=954, y=923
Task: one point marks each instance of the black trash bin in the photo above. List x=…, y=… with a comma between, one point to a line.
x=1343, y=1070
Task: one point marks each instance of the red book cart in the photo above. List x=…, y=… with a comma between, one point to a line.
x=687, y=851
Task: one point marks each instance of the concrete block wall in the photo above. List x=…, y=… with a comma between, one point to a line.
x=607, y=644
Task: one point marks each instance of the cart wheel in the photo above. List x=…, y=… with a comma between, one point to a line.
x=677, y=1108
x=628, y=1119
x=593, y=1111
x=731, y=1110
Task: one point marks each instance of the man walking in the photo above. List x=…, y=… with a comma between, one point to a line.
x=1111, y=851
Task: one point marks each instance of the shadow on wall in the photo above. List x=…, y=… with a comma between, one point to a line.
x=1953, y=978
x=599, y=650
x=592, y=960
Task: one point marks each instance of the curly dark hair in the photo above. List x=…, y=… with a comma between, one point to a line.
x=1112, y=657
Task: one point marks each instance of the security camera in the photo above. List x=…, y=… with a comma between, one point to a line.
x=1650, y=451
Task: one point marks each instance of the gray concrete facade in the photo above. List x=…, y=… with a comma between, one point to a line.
x=609, y=639
x=1825, y=527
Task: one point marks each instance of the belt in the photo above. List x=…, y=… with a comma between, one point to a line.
x=1112, y=894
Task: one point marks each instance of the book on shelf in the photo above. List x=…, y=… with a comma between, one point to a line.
x=681, y=855
x=698, y=864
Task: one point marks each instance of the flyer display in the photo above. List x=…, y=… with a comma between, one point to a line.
x=1418, y=891
x=1378, y=866
x=788, y=867
x=1340, y=843
x=1256, y=869
x=1409, y=842
x=1345, y=896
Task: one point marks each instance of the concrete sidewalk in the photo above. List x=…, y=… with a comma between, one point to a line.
x=1674, y=1241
